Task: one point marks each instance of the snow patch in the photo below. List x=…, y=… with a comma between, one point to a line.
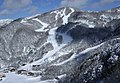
x=83, y=52
x=65, y=18
x=51, y=37
x=15, y=78
x=118, y=10
x=44, y=25
x=87, y=22
x=24, y=21
x=61, y=13
x=49, y=57
x=49, y=81
x=62, y=76
x=100, y=67
x=5, y=21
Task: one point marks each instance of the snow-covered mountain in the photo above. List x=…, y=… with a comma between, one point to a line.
x=63, y=46
x=5, y=21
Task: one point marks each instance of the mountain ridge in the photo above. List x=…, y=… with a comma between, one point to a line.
x=64, y=45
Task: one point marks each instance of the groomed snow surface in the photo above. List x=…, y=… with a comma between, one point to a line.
x=15, y=78
x=49, y=57
x=62, y=13
x=44, y=25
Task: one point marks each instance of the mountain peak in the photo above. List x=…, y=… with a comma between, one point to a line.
x=5, y=21
x=63, y=45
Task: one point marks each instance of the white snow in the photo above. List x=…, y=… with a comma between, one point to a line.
x=57, y=14
x=49, y=81
x=87, y=22
x=51, y=37
x=65, y=18
x=24, y=21
x=5, y=21
x=109, y=10
x=15, y=78
x=48, y=57
x=66, y=39
x=108, y=18
x=44, y=25
x=100, y=67
x=118, y=10
x=83, y=52
x=118, y=17
x=62, y=76
x=91, y=48
x=103, y=16
x=61, y=13
x=91, y=26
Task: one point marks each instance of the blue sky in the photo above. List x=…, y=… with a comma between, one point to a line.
x=13, y=9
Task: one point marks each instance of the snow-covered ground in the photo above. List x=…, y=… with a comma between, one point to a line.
x=87, y=22
x=24, y=21
x=65, y=18
x=5, y=21
x=15, y=78
x=62, y=13
x=44, y=25
x=83, y=52
x=49, y=57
